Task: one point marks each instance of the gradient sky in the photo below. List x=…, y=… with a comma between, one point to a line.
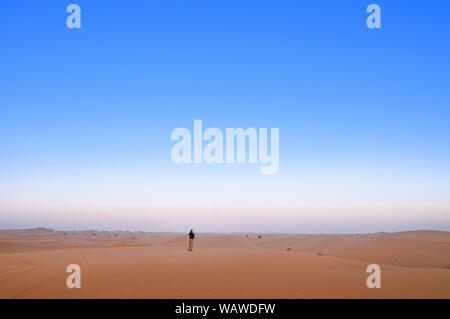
x=86, y=115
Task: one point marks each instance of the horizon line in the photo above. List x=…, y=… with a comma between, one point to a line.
x=221, y=233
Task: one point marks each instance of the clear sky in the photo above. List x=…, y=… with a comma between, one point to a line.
x=86, y=114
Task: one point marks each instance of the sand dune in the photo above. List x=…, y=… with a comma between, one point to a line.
x=156, y=265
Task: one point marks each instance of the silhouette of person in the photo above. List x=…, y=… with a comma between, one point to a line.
x=191, y=240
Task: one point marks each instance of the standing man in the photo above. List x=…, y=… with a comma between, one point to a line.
x=191, y=240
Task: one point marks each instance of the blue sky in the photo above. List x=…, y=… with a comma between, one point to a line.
x=86, y=115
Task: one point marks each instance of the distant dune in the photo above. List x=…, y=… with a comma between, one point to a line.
x=123, y=264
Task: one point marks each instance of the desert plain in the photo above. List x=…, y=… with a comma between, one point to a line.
x=125, y=264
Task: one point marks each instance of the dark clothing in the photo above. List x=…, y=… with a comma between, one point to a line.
x=191, y=235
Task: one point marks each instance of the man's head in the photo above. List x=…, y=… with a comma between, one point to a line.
x=192, y=231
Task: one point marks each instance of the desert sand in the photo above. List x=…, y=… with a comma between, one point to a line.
x=122, y=264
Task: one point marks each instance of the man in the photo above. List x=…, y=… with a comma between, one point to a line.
x=191, y=240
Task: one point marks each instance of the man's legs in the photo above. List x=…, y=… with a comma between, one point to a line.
x=191, y=244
